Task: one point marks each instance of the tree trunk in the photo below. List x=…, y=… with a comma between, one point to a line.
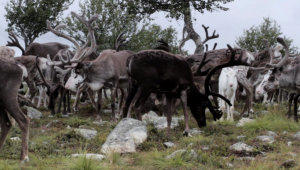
x=192, y=34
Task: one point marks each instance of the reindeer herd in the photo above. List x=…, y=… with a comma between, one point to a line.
x=209, y=80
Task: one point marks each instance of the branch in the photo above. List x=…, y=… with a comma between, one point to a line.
x=14, y=42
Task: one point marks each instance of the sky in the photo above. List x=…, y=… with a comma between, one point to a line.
x=242, y=14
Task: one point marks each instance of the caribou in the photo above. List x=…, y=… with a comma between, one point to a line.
x=11, y=74
x=286, y=75
x=175, y=80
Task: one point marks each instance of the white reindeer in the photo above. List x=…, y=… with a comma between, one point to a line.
x=227, y=87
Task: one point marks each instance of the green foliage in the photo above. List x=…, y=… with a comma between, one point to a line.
x=174, y=8
x=28, y=18
x=254, y=39
x=138, y=33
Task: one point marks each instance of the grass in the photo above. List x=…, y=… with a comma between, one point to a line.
x=52, y=143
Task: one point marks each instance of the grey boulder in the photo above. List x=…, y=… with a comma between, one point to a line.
x=126, y=136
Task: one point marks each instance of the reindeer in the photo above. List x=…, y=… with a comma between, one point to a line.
x=175, y=80
x=11, y=77
x=80, y=54
x=227, y=88
x=286, y=76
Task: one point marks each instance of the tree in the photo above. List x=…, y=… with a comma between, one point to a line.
x=254, y=39
x=180, y=10
x=137, y=32
x=27, y=18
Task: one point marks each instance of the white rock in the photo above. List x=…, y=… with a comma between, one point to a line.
x=229, y=165
x=289, y=143
x=247, y=158
x=240, y=137
x=98, y=157
x=273, y=134
x=126, y=136
x=284, y=132
x=243, y=121
x=160, y=122
x=266, y=139
x=100, y=123
x=181, y=151
x=15, y=139
x=169, y=144
x=240, y=147
x=205, y=148
x=86, y=133
x=32, y=113
x=195, y=131
x=191, y=153
x=297, y=136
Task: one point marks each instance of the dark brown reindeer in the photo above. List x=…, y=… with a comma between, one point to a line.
x=286, y=75
x=160, y=72
x=11, y=78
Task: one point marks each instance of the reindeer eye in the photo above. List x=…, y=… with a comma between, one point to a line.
x=272, y=78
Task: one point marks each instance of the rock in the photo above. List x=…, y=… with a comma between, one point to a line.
x=289, y=163
x=15, y=139
x=240, y=137
x=160, y=122
x=273, y=134
x=181, y=151
x=241, y=147
x=51, y=123
x=289, y=143
x=195, y=131
x=266, y=139
x=292, y=154
x=32, y=113
x=243, y=121
x=236, y=113
x=102, y=123
x=205, y=148
x=264, y=112
x=126, y=136
x=169, y=144
x=190, y=145
x=98, y=157
x=229, y=165
x=247, y=158
x=86, y=133
x=297, y=136
x=284, y=132
x=69, y=127
x=192, y=154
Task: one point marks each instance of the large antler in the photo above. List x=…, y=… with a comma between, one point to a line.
x=119, y=42
x=286, y=56
x=231, y=62
x=81, y=51
x=14, y=42
x=208, y=37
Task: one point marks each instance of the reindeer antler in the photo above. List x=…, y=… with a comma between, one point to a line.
x=119, y=42
x=14, y=42
x=214, y=35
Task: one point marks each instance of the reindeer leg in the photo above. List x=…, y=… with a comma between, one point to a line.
x=289, y=113
x=296, y=108
x=249, y=90
x=11, y=105
x=139, y=104
x=99, y=103
x=183, y=99
x=113, y=100
x=91, y=96
x=121, y=101
x=5, y=126
x=171, y=106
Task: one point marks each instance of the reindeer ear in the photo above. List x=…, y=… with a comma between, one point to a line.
x=87, y=65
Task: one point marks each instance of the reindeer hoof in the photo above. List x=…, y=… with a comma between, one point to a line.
x=186, y=133
x=26, y=159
